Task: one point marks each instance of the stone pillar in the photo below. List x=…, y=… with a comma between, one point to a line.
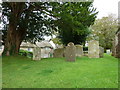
x=79, y=50
x=36, y=53
x=70, y=52
x=93, y=49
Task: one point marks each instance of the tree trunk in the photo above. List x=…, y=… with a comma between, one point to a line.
x=13, y=41
x=14, y=34
x=12, y=44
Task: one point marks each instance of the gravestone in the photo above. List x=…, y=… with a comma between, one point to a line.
x=70, y=52
x=101, y=52
x=36, y=53
x=58, y=53
x=79, y=50
x=93, y=49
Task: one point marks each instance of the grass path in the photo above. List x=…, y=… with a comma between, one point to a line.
x=21, y=72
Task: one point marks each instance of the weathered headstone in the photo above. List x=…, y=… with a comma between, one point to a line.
x=36, y=53
x=79, y=50
x=101, y=52
x=58, y=53
x=70, y=52
x=93, y=49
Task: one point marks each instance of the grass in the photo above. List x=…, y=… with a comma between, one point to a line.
x=22, y=72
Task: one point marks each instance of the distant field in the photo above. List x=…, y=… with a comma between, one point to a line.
x=22, y=72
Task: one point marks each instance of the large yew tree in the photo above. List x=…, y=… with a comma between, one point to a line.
x=74, y=21
x=24, y=21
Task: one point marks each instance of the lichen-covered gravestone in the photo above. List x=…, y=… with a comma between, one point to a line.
x=58, y=53
x=70, y=52
x=36, y=53
x=101, y=52
x=79, y=50
x=93, y=49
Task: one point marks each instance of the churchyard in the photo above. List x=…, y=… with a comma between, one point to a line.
x=22, y=72
x=68, y=68
x=58, y=45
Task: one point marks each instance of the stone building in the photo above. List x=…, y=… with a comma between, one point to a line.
x=46, y=48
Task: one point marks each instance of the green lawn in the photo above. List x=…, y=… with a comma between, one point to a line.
x=22, y=72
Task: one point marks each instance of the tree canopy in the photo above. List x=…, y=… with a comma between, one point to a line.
x=104, y=31
x=30, y=21
x=73, y=20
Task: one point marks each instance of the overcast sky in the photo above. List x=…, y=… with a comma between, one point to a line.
x=106, y=7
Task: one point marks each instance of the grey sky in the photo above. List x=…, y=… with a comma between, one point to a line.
x=106, y=7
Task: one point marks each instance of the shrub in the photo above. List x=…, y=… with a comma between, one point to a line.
x=85, y=48
x=26, y=53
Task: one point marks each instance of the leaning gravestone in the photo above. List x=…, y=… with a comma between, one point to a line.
x=101, y=52
x=93, y=49
x=79, y=50
x=58, y=53
x=36, y=53
x=70, y=52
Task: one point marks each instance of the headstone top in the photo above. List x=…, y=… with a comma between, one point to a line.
x=70, y=44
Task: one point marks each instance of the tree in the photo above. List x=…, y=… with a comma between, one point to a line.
x=104, y=31
x=30, y=21
x=24, y=21
x=73, y=20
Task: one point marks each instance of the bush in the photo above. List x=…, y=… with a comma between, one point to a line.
x=85, y=48
x=26, y=53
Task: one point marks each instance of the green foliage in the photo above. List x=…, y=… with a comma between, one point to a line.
x=34, y=20
x=57, y=41
x=85, y=48
x=26, y=53
x=104, y=30
x=22, y=72
x=73, y=20
x=41, y=18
